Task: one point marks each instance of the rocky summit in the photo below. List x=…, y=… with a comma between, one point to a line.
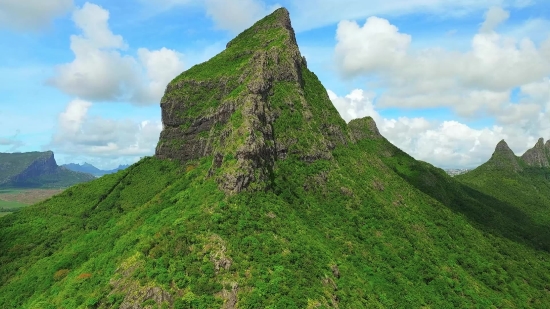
x=539, y=155
x=261, y=196
x=503, y=158
x=254, y=103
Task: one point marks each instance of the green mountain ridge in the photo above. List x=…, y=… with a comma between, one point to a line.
x=261, y=196
x=36, y=170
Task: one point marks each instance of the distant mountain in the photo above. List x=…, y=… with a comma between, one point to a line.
x=90, y=169
x=36, y=170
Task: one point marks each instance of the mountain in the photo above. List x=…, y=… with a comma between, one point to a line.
x=36, y=170
x=539, y=155
x=90, y=169
x=522, y=183
x=261, y=196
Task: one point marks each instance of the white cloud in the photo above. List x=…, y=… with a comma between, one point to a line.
x=100, y=72
x=237, y=15
x=310, y=14
x=494, y=17
x=376, y=46
x=475, y=83
x=447, y=144
x=79, y=133
x=31, y=14
x=161, y=67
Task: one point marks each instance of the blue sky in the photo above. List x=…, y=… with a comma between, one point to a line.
x=444, y=80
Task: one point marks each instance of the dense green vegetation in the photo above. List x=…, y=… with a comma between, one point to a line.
x=348, y=229
x=363, y=225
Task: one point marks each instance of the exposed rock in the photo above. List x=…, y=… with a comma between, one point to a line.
x=236, y=113
x=230, y=296
x=135, y=294
x=335, y=271
x=503, y=158
x=538, y=155
x=364, y=128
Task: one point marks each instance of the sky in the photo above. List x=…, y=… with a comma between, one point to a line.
x=445, y=80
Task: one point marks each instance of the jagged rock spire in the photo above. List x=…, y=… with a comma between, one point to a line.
x=538, y=155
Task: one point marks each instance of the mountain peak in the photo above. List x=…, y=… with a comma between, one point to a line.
x=249, y=106
x=279, y=19
x=364, y=128
x=538, y=156
x=503, y=158
x=502, y=147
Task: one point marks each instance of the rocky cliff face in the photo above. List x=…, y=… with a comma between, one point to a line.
x=42, y=165
x=538, y=156
x=249, y=106
x=364, y=128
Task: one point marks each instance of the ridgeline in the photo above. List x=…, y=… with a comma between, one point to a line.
x=261, y=196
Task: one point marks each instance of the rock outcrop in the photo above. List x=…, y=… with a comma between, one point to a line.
x=251, y=105
x=503, y=158
x=538, y=156
x=364, y=128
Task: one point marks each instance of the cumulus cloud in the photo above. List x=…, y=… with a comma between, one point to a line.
x=31, y=14
x=237, y=15
x=310, y=14
x=475, y=83
x=376, y=46
x=447, y=144
x=494, y=17
x=79, y=133
x=161, y=66
x=101, y=72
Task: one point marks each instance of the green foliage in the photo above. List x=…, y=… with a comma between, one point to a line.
x=364, y=226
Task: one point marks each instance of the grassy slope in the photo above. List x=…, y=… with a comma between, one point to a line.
x=392, y=244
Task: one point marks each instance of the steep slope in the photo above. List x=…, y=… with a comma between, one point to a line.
x=539, y=155
x=524, y=184
x=484, y=210
x=254, y=103
x=36, y=170
x=314, y=219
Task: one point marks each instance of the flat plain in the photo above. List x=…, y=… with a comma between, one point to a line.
x=14, y=199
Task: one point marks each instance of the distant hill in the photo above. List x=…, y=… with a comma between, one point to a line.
x=90, y=169
x=36, y=170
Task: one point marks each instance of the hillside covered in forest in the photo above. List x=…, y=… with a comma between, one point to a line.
x=261, y=196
